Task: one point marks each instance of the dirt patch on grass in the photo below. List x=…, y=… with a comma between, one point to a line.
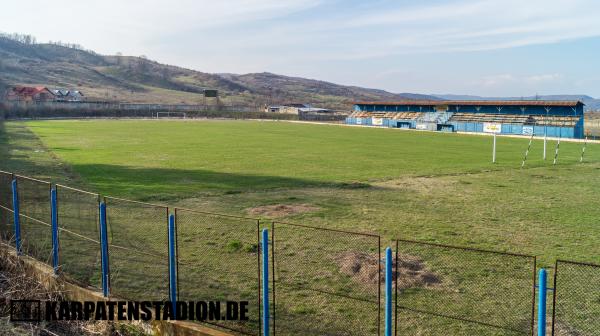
x=364, y=268
x=418, y=184
x=563, y=330
x=281, y=210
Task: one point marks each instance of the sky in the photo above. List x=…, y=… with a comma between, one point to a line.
x=486, y=47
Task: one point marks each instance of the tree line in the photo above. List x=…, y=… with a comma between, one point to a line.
x=32, y=40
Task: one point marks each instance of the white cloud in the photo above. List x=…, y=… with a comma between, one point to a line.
x=475, y=26
x=496, y=80
x=510, y=79
x=112, y=25
x=535, y=79
x=457, y=26
x=348, y=33
x=328, y=39
x=421, y=14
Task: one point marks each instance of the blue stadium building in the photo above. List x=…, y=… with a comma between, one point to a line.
x=523, y=117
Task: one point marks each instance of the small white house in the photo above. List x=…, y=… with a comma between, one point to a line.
x=68, y=95
x=294, y=108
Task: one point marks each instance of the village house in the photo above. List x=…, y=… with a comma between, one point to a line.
x=68, y=95
x=41, y=94
x=29, y=94
x=294, y=108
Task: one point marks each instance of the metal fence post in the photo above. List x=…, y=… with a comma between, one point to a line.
x=388, y=291
x=104, y=250
x=265, y=279
x=542, y=303
x=396, y=290
x=17, y=219
x=172, y=265
x=54, y=216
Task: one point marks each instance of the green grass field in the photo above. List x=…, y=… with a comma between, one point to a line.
x=432, y=187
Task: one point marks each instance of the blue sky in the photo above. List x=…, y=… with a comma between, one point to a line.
x=488, y=47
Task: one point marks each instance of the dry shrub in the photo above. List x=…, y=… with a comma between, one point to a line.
x=281, y=210
x=364, y=268
x=17, y=282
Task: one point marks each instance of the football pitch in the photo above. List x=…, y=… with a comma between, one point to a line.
x=425, y=186
x=430, y=187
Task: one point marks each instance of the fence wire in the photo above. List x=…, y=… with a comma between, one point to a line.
x=576, y=299
x=219, y=259
x=6, y=214
x=138, y=249
x=325, y=282
x=35, y=218
x=79, y=253
x=458, y=291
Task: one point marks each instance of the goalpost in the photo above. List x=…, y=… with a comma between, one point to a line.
x=556, y=148
x=170, y=115
x=583, y=149
x=527, y=151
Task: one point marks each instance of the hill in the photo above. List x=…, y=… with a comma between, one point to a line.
x=138, y=79
x=141, y=80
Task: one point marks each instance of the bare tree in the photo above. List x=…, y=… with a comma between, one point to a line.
x=142, y=66
x=119, y=58
x=22, y=38
x=165, y=73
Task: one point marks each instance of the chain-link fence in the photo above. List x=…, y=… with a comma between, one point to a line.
x=6, y=207
x=458, y=291
x=218, y=258
x=35, y=218
x=325, y=282
x=576, y=299
x=138, y=249
x=78, y=217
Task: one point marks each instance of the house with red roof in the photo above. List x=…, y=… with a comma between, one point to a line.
x=29, y=94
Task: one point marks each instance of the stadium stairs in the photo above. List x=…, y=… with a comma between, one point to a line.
x=435, y=117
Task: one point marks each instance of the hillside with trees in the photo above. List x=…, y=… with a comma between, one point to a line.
x=138, y=79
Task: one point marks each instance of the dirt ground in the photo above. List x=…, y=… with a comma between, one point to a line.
x=364, y=268
x=281, y=210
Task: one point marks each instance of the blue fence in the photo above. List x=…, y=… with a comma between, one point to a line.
x=298, y=279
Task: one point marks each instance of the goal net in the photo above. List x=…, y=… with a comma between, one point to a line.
x=170, y=115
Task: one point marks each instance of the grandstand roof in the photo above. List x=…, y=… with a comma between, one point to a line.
x=572, y=103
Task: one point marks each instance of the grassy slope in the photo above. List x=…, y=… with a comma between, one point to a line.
x=133, y=79
x=458, y=197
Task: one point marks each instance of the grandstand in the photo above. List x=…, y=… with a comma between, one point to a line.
x=552, y=118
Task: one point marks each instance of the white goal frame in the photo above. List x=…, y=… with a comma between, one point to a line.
x=170, y=115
